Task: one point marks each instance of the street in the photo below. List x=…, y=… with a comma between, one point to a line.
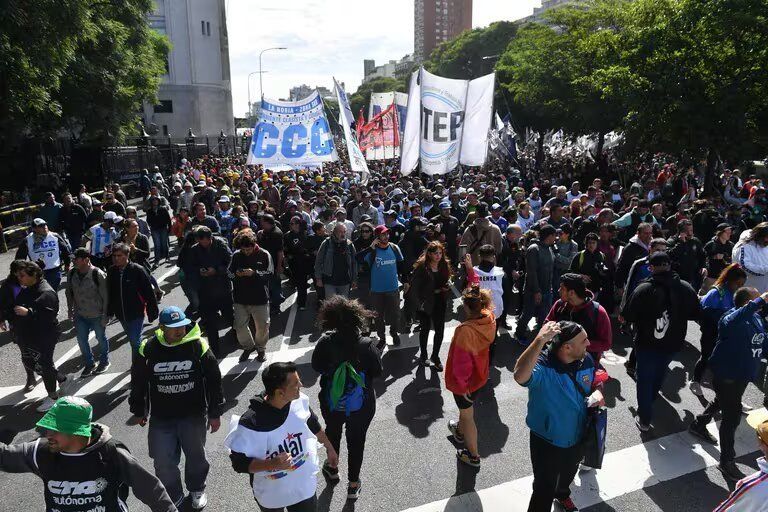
x=410, y=462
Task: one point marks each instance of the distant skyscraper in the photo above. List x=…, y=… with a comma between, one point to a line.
x=437, y=21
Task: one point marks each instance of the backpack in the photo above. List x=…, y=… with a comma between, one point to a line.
x=347, y=390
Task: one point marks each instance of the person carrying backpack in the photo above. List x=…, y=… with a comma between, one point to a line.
x=82, y=465
x=347, y=363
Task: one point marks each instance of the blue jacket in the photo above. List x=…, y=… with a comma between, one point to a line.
x=557, y=411
x=713, y=306
x=740, y=344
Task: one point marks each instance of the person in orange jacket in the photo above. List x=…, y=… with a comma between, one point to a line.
x=466, y=370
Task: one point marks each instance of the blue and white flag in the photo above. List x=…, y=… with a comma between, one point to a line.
x=356, y=158
x=293, y=133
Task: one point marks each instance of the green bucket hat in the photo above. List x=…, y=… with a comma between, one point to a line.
x=69, y=415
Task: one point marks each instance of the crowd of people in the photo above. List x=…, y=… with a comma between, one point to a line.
x=575, y=251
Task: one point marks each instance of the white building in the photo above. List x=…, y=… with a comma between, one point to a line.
x=196, y=92
x=546, y=5
x=392, y=69
x=302, y=91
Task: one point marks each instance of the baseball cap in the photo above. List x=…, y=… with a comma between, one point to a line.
x=173, y=316
x=110, y=216
x=495, y=206
x=380, y=230
x=224, y=199
x=659, y=258
x=722, y=227
x=37, y=222
x=69, y=415
x=445, y=204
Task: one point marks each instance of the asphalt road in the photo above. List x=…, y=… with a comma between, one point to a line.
x=409, y=458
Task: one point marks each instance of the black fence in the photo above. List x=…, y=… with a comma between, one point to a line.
x=41, y=164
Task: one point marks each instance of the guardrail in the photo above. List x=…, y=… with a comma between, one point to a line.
x=18, y=226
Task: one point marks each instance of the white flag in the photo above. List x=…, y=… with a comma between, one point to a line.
x=356, y=158
x=477, y=120
x=409, y=153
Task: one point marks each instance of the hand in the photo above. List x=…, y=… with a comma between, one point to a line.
x=282, y=462
x=468, y=260
x=718, y=256
x=537, y=298
x=138, y=420
x=21, y=310
x=3, y=326
x=621, y=319
x=467, y=397
x=548, y=331
x=214, y=424
x=332, y=456
x=586, y=278
x=245, y=272
x=703, y=272
x=374, y=244
x=353, y=286
x=209, y=272
x=515, y=274
x=406, y=287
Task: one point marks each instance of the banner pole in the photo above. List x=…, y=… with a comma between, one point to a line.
x=463, y=126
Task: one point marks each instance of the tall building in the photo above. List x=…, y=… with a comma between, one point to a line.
x=195, y=92
x=392, y=69
x=437, y=21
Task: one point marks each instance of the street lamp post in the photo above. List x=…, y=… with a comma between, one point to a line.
x=261, y=85
x=249, y=89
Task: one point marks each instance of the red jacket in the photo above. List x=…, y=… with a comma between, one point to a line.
x=591, y=316
x=466, y=369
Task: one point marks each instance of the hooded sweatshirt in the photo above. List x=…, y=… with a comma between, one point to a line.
x=741, y=342
x=466, y=369
x=75, y=482
x=591, y=316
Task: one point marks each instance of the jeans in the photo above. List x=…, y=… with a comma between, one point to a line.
x=530, y=310
x=161, y=242
x=260, y=314
x=355, y=427
x=308, y=505
x=336, y=289
x=435, y=318
x=553, y=472
x=167, y=438
x=387, y=307
x=728, y=394
x=652, y=366
x=133, y=329
x=53, y=276
x=83, y=327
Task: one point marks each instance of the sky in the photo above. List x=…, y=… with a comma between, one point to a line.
x=327, y=38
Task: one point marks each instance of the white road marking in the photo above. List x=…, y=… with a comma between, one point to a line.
x=289, y=302
x=624, y=471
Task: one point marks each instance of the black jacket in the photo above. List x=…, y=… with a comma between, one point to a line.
x=631, y=253
x=425, y=286
x=217, y=256
x=130, y=293
x=73, y=219
x=712, y=249
x=660, y=307
x=688, y=258
x=159, y=218
x=40, y=325
x=251, y=289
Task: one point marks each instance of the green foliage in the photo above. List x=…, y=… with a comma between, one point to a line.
x=79, y=65
x=463, y=57
x=362, y=97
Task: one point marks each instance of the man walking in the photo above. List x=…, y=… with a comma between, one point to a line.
x=176, y=382
x=130, y=294
x=335, y=264
x=46, y=248
x=77, y=454
x=537, y=290
x=72, y=221
x=87, y=304
x=660, y=308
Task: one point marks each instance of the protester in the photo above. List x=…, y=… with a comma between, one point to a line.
x=47, y=249
x=687, y=255
x=480, y=232
x=76, y=452
x=537, y=290
x=298, y=259
x=751, y=493
x=751, y=252
x=336, y=263
x=159, y=221
x=282, y=469
x=102, y=237
x=719, y=251
x=72, y=221
x=348, y=363
x=467, y=368
x=176, y=387
x=270, y=238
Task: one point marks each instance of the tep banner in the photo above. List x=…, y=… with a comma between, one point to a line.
x=293, y=133
x=449, y=124
x=356, y=158
x=380, y=137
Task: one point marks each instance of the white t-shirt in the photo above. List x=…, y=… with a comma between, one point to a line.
x=47, y=250
x=492, y=281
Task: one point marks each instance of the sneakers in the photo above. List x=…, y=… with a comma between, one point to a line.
x=244, y=356
x=102, y=367
x=332, y=474
x=87, y=371
x=261, y=356
x=643, y=427
x=436, y=364
x=702, y=433
x=695, y=388
x=423, y=361
x=730, y=471
x=464, y=456
x=61, y=378
x=46, y=405
x=199, y=500
x=567, y=504
x=354, y=492
x=746, y=408
x=30, y=385
x=631, y=371
x=453, y=426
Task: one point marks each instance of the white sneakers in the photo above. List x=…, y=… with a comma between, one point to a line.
x=46, y=405
x=199, y=499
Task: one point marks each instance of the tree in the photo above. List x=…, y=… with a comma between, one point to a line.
x=473, y=53
x=362, y=97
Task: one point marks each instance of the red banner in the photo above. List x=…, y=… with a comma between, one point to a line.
x=380, y=132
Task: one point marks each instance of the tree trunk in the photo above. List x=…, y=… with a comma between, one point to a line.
x=540, y=152
x=600, y=144
x=709, y=174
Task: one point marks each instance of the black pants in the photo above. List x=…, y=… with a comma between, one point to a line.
x=707, y=346
x=39, y=358
x=553, y=471
x=298, y=279
x=308, y=505
x=210, y=306
x=435, y=318
x=387, y=307
x=728, y=394
x=356, y=424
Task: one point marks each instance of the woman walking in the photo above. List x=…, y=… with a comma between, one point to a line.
x=430, y=283
x=159, y=220
x=348, y=363
x=467, y=367
x=298, y=257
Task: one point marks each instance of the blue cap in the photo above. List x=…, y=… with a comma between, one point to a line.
x=445, y=204
x=173, y=316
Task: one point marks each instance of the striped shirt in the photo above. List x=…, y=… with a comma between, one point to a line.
x=750, y=494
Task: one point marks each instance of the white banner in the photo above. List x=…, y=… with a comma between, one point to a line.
x=477, y=121
x=356, y=158
x=293, y=133
x=411, y=139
